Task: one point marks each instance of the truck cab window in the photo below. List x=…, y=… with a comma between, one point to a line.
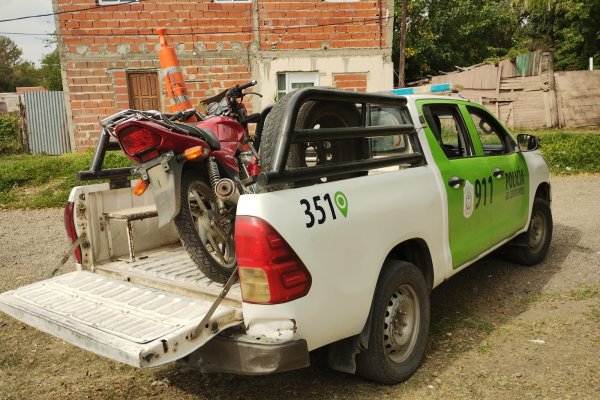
x=494, y=139
x=449, y=130
x=389, y=116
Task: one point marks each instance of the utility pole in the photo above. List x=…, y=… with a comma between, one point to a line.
x=401, y=61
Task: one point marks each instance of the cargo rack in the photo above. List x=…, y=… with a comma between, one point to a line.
x=289, y=135
x=97, y=172
x=278, y=174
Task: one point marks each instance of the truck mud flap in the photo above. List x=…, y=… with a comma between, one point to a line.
x=126, y=322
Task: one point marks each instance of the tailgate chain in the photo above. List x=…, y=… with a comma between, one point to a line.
x=203, y=324
x=68, y=254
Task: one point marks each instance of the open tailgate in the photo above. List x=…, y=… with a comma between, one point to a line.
x=126, y=322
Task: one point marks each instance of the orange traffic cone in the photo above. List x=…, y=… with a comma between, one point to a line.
x=174, y=82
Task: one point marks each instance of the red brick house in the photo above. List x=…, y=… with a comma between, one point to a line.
x=109, y=59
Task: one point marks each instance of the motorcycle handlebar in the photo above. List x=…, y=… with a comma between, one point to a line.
x=247, y=85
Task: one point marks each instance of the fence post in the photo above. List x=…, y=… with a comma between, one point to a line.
x=550, y=94
x=23, y=139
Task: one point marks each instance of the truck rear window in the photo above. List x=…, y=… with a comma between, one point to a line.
x=389, y=116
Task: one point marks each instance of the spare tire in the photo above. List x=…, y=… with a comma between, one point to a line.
x=313, y=114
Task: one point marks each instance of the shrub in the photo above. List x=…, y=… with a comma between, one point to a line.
x=569, y=153
x=9, y=134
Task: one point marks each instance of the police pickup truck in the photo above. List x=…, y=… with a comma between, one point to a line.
x=365, y=203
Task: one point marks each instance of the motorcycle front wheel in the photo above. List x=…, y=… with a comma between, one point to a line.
x=206, y=235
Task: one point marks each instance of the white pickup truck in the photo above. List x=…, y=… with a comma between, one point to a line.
x=359, y=213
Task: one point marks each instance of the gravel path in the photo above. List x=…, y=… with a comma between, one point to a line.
x=498, y=330
x=31, y=244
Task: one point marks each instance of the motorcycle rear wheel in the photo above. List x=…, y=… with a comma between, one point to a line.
x=206, y=235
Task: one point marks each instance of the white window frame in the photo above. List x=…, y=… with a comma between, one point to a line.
x=232, y=1
x=293, y=77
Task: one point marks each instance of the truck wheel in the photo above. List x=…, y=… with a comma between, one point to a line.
x=313, y=114
x=206, y=236
x=399, y=324
x=534, y=243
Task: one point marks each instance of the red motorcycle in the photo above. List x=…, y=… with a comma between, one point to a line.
x=196, y=171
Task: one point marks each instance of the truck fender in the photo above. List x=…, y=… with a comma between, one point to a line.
x=342, y=354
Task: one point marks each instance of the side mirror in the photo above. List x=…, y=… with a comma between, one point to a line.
x=528, y=142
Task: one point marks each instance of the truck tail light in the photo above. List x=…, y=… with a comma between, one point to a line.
x=270, y=271
x=137, y=140
x=69, y=220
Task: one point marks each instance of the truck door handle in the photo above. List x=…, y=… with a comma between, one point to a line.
x=455, y=182
x=498, y=173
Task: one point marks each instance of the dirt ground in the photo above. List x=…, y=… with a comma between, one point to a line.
x=498, y=330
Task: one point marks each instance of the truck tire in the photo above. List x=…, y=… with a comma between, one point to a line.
x=399, y=325
x=532, y=246
x=195, y=225
x=311, y=114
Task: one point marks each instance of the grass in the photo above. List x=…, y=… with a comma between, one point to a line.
x=485, y=348
x=40, y=181
x=593, y=313
x=585, y=292
x=572, y=151
x=446, y=322
x=577, y=293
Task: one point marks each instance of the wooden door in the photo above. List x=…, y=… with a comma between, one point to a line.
x=143, y=90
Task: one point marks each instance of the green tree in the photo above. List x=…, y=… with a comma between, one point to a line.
x=26, y=74
x=50, y=71
x=14, y=71
x=10, y=57
x=10, y=53
x=569, y=27
x=443, y=34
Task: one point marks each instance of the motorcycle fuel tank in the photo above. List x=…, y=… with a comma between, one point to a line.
x=227, y=129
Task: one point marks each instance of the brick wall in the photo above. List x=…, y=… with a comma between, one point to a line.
x=287, y=24
x=354, y=82
x=214, y=41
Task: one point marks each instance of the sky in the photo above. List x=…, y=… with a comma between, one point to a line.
x=32, y=46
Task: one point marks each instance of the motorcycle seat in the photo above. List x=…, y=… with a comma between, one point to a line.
x=201, y=133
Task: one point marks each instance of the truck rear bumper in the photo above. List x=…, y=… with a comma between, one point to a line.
x=247, y=355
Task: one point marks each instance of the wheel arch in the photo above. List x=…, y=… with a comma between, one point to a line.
x=543, y=191
x=415, y=251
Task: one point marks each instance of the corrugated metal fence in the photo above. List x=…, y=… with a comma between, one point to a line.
x=47, y=128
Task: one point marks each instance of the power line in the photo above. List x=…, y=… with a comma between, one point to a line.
x=265, y=29
x=28, y=34
x=65, y=12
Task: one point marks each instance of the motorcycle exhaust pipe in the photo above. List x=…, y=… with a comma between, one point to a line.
x=225, y=190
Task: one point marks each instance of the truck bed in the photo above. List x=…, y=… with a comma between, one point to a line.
x=143, y=312
x=169, y=268
x=160, y=261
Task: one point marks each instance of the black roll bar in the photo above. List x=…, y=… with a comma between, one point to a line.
x=288, y=135
x=300, y=174
x=96, y=171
